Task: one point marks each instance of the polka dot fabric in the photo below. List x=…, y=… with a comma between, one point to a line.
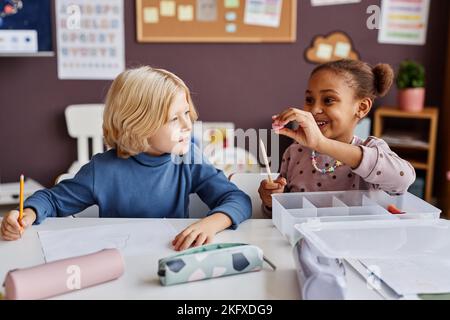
x=380, y=169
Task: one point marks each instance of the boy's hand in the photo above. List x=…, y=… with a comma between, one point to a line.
x=308, y=133
x=266, y=189
x=201, y=232
x=11, y=229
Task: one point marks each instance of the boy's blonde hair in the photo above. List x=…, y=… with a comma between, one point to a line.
x=137, y=105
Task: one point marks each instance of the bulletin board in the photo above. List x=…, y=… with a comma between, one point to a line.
x=219, y=21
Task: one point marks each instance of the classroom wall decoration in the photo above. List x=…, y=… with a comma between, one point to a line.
x=216, y=20
x=404, y=22
x=90, y=38
x=335, y=46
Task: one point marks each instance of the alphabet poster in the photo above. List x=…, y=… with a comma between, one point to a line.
x=90, y=37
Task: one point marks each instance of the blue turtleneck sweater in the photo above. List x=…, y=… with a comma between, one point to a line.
x=143, y=186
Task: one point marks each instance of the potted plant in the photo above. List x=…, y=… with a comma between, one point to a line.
x=411, y=85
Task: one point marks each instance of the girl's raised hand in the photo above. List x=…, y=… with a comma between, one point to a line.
x=266, y=189
x=308, y=133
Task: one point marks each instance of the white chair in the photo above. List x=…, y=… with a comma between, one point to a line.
x=249, y=183
x=84, y=122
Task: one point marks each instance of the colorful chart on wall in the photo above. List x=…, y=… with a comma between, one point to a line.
x=90, y=37
x=334, y=46
x=404, y=22
x=216, y=20
x=25, y=26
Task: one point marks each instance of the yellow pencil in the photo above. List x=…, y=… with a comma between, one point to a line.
x=21, y=199
x=266, y=161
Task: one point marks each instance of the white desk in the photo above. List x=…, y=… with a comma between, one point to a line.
x=140, y=280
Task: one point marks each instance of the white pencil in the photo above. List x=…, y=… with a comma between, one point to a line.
x=266, y=161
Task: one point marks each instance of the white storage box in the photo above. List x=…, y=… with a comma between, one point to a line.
x=409, y=257
x=289, y=209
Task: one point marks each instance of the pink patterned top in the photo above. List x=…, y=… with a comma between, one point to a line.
x=380, y=169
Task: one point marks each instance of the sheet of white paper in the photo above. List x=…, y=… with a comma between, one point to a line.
x=151, y=15
x=207, y=10
x=167, y=8
x=265, y=13
x=324, y=51
x=342, y=50
x=409, y=276
x=130, y=238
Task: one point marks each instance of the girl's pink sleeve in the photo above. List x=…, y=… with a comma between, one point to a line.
x=382, y=167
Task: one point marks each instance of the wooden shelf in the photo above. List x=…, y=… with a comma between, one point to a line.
x=415, y=155
x=409, y=147
x=418, y=165
x=420, y=157
x=394, y=112
x=40, y=54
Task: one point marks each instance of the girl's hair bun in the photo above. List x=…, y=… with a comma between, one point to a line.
x=384, y=78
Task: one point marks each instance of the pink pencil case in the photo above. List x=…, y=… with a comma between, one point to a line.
x=63, y=276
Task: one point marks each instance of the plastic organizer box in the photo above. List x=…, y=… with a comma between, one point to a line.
x=289, y=209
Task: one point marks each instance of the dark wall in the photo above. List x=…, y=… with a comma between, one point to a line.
x=243, y=83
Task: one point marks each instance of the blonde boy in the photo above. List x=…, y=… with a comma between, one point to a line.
x=149, y=171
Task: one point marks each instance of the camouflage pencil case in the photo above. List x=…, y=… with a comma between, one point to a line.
x=210, y=261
